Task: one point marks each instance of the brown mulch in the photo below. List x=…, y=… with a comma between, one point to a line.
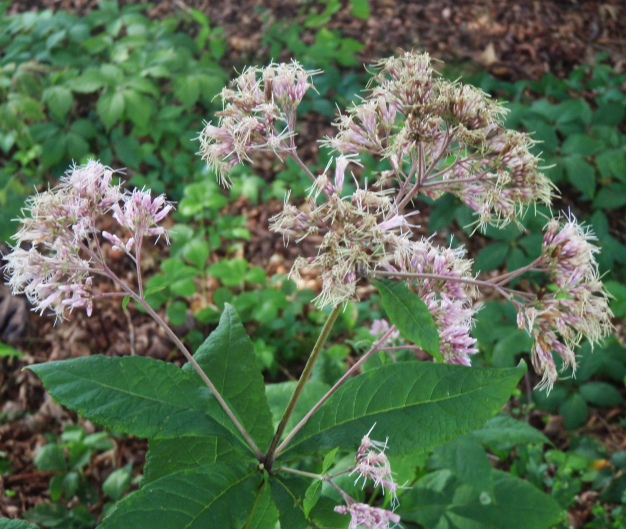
x=514, y=40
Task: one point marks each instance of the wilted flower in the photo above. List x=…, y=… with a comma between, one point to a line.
x=579, y=306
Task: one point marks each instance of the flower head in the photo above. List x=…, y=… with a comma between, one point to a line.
x=362, y=514
x=55, y=272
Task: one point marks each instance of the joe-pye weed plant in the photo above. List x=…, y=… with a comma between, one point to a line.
x=215, y=459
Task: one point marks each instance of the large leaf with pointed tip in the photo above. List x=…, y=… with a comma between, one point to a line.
x=441, y=500
x=166, y=456
x=228, y=358
x=136, y=395
x=418, y=405
x=264, y=514
x=218, y=495
x=410, y=315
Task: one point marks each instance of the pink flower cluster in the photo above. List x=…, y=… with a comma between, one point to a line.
x=55, y=272
x=259, y=115
x=371, y=463
x=579, y=306
x=364, y=515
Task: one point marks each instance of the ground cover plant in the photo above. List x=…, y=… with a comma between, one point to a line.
x=210, y=426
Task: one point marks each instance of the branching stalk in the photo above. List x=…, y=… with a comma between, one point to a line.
x=347, y=374
x=306, y=373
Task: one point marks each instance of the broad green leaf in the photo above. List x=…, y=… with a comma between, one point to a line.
x=218, y=495
x=59, y=101
x=134, y=394
x=360, y=9
x=118, y=482
x=581, y=174
x=288, y=493
x=574, y=410
x=492, y=256
x=138, y=107
x=110, y=107
x=228, y=357
x=50, y=458
x=468, y=461
x=581, y=144
x=264, y=514
x=5, y=523
x=440, y=500
x=410, y=315
x=90, y=81
x=166, y=456
x=278, y=396
x=601, y=394
x=416, y=405
x=504, y=432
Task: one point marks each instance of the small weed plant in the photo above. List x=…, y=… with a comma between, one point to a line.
x=220, y=455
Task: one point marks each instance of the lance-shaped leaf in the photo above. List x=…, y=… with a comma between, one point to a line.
x=218, y=495
x=417, y=405
x=136, y=395
x=227, y=357
x=264, y=514
x=166, y=456
x=410, y=315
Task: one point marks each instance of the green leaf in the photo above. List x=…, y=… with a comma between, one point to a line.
x=110, y=107
x=601, y=394
x=136, y=395
x=468, y=461
x=439, y=500
x=360, y=9
x=574, y=410
x=329, y=459
x=197, y=251
x=581, y=144
x=612, y=163
x=288, y=493
x=50, y=458
x=59, y=101
x=8, y=351
x=610, y=114
x=90, y=81
x=166, y=456
x=264, y=514
x=231, y=273
x=228, y=356
x=410, y=315
x=138, y=107
x=403, y=399
x=118, y=482
x=5, y=523
x=311, y=496
x=278, y=396
x=581, y=174
x=218, y=495
x=504, y=432
x=492, y=256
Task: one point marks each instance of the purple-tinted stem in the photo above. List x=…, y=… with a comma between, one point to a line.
x=348, y=373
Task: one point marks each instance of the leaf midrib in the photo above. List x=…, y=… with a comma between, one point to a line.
x=395, y=409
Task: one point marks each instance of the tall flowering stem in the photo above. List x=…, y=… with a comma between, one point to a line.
x=56, y=272
x=304, y=377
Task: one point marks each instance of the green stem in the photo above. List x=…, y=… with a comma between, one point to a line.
x=308, y=369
